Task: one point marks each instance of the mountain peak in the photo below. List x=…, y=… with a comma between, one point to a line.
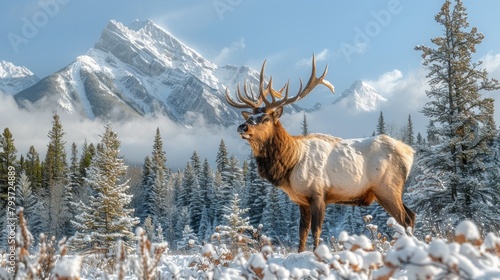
x=361, y=96
x=8, y=69
x=15, y=78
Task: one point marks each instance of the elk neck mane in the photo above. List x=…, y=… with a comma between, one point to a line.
x=277, y=156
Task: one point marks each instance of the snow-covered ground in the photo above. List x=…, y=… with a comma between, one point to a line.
x=468, y=256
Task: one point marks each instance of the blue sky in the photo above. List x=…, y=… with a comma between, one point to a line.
x=358, y=39
x=365, y=39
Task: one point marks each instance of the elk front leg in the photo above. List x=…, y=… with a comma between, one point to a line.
x=305, y=225
x=318, y=208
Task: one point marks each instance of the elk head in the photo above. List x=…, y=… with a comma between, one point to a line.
x=260, y=123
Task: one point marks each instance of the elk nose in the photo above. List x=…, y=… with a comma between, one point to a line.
x=242, y=128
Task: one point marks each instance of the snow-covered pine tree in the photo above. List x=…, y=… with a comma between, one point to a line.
x=26, y=198
x=236, y=231
x=194, y=196
x=189, y=242
x=71, y=191
x=235, y=174
x=217, y=197
x=381, y=124
x=420, y=139
x=183, y=218
x=273, y=216
x=149, y=228
x=106, y=218
x=409, y=135
x=255, y=193
x=154, y=179
x=464, y=122
x=196, y=163
x=207, y=189
x=205, y=229
x=222, y=161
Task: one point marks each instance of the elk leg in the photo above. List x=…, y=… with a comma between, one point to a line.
x=410, y=216
x=393, y=204
x=318, y=208
x=305, y=225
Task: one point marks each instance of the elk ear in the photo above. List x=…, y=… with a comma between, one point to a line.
x=277, y=114
x=246, y=115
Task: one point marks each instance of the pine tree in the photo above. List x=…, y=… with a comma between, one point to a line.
x=26, y=198
x=154, y=179
x=255, y=197
x=182, y=220
x=106, y=219
x=55, y=175
x=273, y=216
x=464, y=120
x=432, y=135
x=236, y=230
x=409, y=137
x=305, y=125
x=55, y=159
x=196, y=163
x=189, y=240
x=222, y=160
x=420, y=139
x=7, y=161
x=381, y=124
x=88, y=153
x=218, y=195
x=235, y=174
x=149, y=228
x=193, y=197
x=71, y=191
x=205, y=229
x=33, y=168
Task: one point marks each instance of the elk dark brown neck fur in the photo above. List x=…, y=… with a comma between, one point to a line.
x=277, y=156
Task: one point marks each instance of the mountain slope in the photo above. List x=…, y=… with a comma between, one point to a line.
x=361, y=97
x=140, y=70
x=15, y=78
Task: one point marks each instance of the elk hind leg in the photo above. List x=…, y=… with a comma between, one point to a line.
x=392, y=202
x=304, y=226
x=318, y=208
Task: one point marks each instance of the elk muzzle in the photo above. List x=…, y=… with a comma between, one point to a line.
x=243, y=128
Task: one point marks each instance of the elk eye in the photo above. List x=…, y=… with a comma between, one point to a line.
x=252, y=121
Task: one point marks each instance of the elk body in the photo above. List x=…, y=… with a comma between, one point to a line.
x=318, y=169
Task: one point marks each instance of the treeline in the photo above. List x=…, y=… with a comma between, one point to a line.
x=87, y=194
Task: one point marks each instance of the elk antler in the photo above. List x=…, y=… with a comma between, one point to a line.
x=249, y=101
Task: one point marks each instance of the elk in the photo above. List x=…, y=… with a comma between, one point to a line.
x=318, y=169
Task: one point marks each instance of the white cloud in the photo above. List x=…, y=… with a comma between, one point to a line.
x=226, y=52
x=387, y=82
x=306, y=62
x=491, y=62
x=31, y=128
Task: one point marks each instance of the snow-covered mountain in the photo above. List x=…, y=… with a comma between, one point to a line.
x=15, y=78
x=138, y=70
x=360, y=96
